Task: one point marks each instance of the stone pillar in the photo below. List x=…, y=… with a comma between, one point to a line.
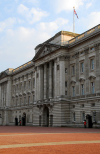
x=62, y=75
x=35, y=83
x=45, y=81
x=41, y=82
x=8, y=96
x=86, y=71
x=55, y=77
x=97, y=68
x=50, y=79
x=77, y=74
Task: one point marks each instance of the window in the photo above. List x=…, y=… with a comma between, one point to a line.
x=92, y=64
x=65, y=70
x=20, y=101
x=33, y=82
x=25, y=85
x=74, y=116
x=82, y=67
x=65, y=92
x=82, y=87
x=37, y=75
x=93, y=104
x=73, y=106
x=28, y=99
x=92, y=84
x=57, y=67
x=33, y=98
x=92, y=48
x=21, y=86
x=16, y=102
x=83, y=116
x=94, y=116
x=29, y=84
x=66, y=84
x=73, y=70
x=24, y=100
x=82, y=105
x=73, y=91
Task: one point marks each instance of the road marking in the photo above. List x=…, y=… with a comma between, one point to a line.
x=50, y=133
x=44, y=144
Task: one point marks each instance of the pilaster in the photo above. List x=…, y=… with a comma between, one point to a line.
x=50, y=79
x=62, y=75
x=45, y=81
x=41, y=82
x=8, y=96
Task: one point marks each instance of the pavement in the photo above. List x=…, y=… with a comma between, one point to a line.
x=49, y=140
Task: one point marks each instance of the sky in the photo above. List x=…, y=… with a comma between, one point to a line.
x=26, y=23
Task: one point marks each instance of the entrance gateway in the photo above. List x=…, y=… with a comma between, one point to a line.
x=46, y=119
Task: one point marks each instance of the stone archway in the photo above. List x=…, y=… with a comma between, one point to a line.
x=46, y=116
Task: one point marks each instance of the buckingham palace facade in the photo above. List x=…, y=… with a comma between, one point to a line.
x=58, y=87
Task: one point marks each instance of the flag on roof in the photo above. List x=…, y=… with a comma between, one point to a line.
x=75, y=13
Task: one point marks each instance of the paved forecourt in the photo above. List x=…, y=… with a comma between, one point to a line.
x=20, y=139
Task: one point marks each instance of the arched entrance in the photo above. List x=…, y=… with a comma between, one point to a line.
x=24, y=119
x=46, y=116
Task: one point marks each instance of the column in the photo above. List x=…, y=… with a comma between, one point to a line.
x=45, y=81
x=50, y=79
x=97, y=68
x=55, y=78
x=8, y=96
x=41, y=82
x=62, y=75
x=77, y=74
x=86, y=71
x=35, y=83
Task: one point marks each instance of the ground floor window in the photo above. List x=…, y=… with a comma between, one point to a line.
x=94, y=116
x=83, y=116
x=74, y=116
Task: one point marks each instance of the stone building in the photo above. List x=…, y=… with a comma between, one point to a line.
x=59, y=86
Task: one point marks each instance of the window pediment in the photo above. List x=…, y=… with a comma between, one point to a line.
x=91, y=77
x=81, y=79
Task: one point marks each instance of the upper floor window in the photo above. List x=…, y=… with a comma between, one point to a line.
x=73, y=91
x=21, y=86
x=28, y=99
x=74, y=116
x=92, y=85
x=29, y=84
x=82, y=88
x=33, y=82
x=57, y=67
x=73, y=70
x=66, y=84
x=65, y=70
x=92, y=64
x=20, y=101
x=82, y=67
x=24, y=84
x=24, y=100
x=33, y=98
x=92, y=48
x=65, y=92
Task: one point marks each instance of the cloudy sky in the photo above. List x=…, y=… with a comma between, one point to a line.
x=27, y=23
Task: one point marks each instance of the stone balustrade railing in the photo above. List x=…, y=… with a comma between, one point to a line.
x=82, y=35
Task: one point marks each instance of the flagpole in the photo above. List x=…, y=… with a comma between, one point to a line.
x=73, y=20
